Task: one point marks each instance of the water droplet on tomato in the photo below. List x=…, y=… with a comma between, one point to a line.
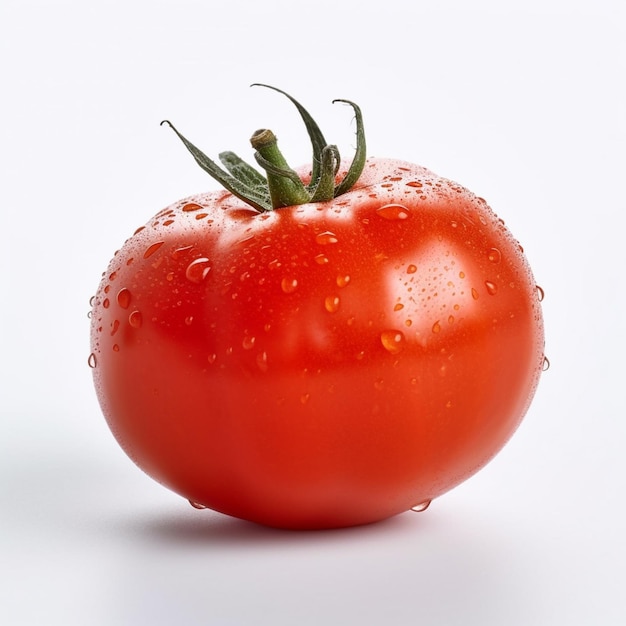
x=321, y=259
x=392, y=340
x=414, y=183
x=135, y=319
x=197, y=505
x=540, y=293
x=150, y=250
x=398, y=307
x=123, y=297
x=191, y=206
x=342, y=280
x=411, y=269
x=198, y=270
x=393, y=212
x=261, y=361
x=305, y=397
x=248, y=342
x=326, y=238
x=474, y=294
x=421, y=506
x=436, y=327
x=115, y=327
x=289, y=285
x=106, y=303
x=189, y=320
x=92, y=361
x=116, y=348
x=546, y=364
x=492, y=288
x=331, y=304
x=494, y=255
x=176, y=253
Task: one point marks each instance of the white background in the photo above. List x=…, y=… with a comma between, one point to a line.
x=523, y=102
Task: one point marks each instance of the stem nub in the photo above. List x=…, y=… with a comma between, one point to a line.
x=282, y=186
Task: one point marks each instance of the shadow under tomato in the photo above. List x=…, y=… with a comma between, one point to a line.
x=196, y=528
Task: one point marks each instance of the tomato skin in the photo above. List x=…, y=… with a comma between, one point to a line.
x=321, y=365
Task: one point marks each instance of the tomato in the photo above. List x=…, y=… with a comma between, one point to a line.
x=323, y=364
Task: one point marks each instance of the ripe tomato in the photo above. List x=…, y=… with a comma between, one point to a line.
x=324, y=364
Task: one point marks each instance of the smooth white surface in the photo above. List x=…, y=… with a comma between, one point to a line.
x=522, y=102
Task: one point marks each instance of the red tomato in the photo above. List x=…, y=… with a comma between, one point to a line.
x=320, y=365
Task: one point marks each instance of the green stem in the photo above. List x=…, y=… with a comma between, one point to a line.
x=285, y=186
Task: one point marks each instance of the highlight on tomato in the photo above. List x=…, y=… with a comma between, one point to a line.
x=318, y=347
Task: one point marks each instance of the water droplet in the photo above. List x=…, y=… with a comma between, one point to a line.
x=197, y=505
x=492, y=288
x=398, y=307
x=248, y=342
x=392, y=340
x=91, y=361
x=115, y=327
x=393, y=212
x=540, y=293
x=113, y=276
x=304, y=398
x=189, y=320
x=331, y=304
x=289, y=285
x=325, y=238
x=198, y=270
x=92, y=300
x=546, y=364
x=414, y=183
x=135, y=319
x=321, y=259
x=123, y=297
x=191, y=206
x=421, y=506
x=261, y=361
x=494, y=255
x=461, y=274
x=450, y=319
x=474, y=294
x=211, y=358
x=150, y=250
x=436, y=327
x=411, y=269
x=342, y=281
x=180, y=251
x=116, y=348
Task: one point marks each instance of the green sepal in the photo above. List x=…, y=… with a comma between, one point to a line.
x=360, y=156
x=235, y=186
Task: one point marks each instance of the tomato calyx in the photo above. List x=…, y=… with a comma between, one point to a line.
x=282, y=186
